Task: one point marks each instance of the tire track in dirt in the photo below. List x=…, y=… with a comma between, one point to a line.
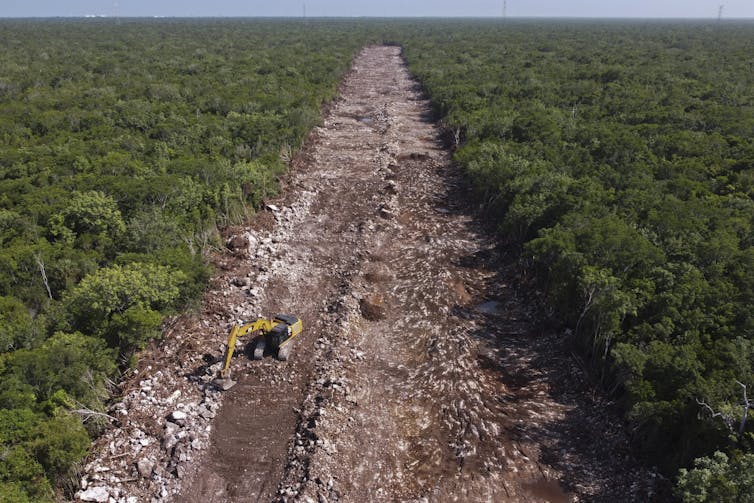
x=422, y=374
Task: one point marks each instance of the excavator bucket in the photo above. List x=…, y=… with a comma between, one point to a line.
x=223, y=384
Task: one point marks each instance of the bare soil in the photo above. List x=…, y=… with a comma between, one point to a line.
x=424, y=372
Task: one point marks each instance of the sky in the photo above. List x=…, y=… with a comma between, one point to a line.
x=381, y=8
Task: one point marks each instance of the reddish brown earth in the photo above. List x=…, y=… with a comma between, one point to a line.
x=424, y=372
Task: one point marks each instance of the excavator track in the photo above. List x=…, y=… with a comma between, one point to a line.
x=259, y=347
x=285, y=352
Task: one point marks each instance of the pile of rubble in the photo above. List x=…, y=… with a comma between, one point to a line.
x=157, y=438
x=162, y=421
x=307, y=476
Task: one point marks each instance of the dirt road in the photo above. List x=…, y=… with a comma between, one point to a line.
x=423, y=373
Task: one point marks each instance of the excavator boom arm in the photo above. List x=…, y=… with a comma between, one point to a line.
x=239, y=331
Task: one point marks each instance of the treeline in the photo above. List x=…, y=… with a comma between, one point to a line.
x=619, y=159
x=123, y=146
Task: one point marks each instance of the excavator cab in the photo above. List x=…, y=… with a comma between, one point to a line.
x=279, y=334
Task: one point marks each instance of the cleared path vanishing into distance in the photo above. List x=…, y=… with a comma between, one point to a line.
x=425, y=371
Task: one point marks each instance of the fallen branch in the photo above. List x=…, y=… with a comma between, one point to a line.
x=746, y=405
x=725, y=418
x=88, y=413
x=42, y=271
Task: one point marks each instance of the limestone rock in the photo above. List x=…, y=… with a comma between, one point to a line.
x=145, y=466
x=98, y=494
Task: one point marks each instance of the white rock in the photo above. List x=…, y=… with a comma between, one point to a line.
x=251, y=238
x=98, y=494
x=179, y=415
x=176, y=394
x=169, y=442
x=170, y=428
x=145, y=467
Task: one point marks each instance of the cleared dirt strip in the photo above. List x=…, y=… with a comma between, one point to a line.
x=424, y=372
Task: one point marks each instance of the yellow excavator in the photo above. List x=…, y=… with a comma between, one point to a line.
x=276, y=335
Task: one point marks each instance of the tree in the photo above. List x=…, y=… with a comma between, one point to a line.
x=17, y=329
x=122, y=304
x=21, y=475
x=606, y=305
x=719, y=479
x=59, y=443
x=91, y=219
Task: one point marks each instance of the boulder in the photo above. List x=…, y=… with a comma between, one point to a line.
x=99, y=494
x=240, y=282
x=169, y=442
x=170, y=428
x=178, y=415
x=386, y=213
x=145, y=466
x=237, y=243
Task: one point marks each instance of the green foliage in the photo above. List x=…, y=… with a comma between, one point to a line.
x=89, y=220
x=718, y=478
x=59, y=443
x=618, y=158
x=124, y=147
x=74, y=363
x=15, y=492
x=35, y=447
x=22, y=477
x=17, y=328
x=123, y=304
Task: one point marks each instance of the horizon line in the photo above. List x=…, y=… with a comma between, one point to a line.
x=509, y=17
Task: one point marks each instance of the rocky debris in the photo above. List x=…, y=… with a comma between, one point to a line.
x=391, y=188
x=144, y=467
x=398, y=404
x=236, y=243
x=224, y=384
x=385, y=212
x=146, y=451
x=317, y=419
x=243, y=244
x=167, y=406
x=451, y=399
x=98, y=494
x=179, y=417
x=240, y=282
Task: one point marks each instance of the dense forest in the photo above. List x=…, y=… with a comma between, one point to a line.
x=123, y=147
x=616, y=159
